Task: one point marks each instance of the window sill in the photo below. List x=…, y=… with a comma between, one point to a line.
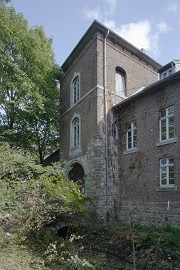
x=74, y=147
x=74, y=150
x=166, y=188
x=166, y=142
x=131, y=150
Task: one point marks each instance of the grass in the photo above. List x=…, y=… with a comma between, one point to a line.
x=14, y=256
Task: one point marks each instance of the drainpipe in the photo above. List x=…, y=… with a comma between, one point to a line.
x=106, y=126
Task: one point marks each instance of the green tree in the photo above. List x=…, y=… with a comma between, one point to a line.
x=29, y=94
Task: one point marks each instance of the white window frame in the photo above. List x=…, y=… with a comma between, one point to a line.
x=76, y=131
x=166, y=73
x=75, y=89
x=75, y=142
x=168, y=116
x=132, y=134
x=166, y=166
x=120, y=80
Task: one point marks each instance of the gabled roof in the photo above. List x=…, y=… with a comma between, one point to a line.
x=169, y=65
x=98, y=27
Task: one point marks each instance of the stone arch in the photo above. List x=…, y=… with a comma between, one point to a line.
x=77, y=174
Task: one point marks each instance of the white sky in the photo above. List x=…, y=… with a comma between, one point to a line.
x=150, y=24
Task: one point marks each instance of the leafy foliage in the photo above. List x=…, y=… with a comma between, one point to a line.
x=32, y=199
x=44, y=192
x=29, y=98
x=149, y=236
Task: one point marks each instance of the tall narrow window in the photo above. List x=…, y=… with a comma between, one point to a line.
x=120, y=89
x=114, y=132
x=131, y=135
x=167, y=124
x=167, y=172
x=75, y=88
x=75, y=126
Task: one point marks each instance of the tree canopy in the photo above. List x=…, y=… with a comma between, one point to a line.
x=29, y=94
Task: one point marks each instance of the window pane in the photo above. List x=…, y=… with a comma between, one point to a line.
x=167, y=171
x=163, y=180
x=163, y=122
x=163, y=162
x=120, y=84
x=134, y=124
x=164, y=170
x=76, y=89
x=171, y=120
x=129, y=126
x=163, y=113
x=171, y=134
x=76, y=131
x=134, y=141
x=129, y=142
x=114, y=131
x=163, y=136
x=171, y=161
x=131, y=135
x=171, y=177
x=164, y=75
x=170, y=110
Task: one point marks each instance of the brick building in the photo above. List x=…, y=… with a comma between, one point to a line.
x=118, y=127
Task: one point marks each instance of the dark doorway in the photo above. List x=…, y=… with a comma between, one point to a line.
x=76, y=174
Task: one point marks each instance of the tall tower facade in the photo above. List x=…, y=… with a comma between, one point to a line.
x=102, y=70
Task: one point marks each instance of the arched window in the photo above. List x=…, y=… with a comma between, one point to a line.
x=120, y=89
x=76, y=132
x=75, y=89
x=114, y=132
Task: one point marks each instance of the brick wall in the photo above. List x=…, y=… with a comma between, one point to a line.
x=139, y=172
x=124, y=176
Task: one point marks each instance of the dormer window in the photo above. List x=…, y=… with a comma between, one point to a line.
x=167, y=73
x=169, y=69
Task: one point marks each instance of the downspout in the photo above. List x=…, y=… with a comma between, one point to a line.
x=106, y=127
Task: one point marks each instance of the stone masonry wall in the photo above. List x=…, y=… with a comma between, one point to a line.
x=150, y=213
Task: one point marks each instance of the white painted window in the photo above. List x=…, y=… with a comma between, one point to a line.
x=167, y=172
x=167, y=124
x=120, y=88
x=131, y=135
x=75, y=89
x=164, y=75
x=170, y=72
x=76, y=132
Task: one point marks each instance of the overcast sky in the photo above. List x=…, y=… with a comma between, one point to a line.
x=150, y=24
